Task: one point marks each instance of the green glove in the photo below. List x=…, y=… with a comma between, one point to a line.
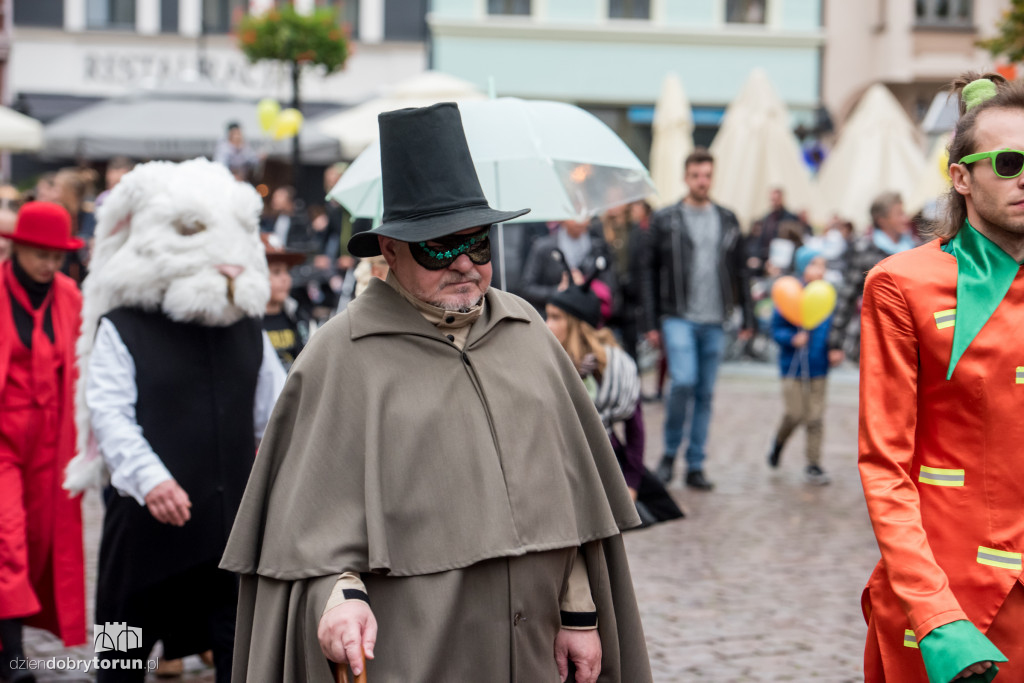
x=953, y=647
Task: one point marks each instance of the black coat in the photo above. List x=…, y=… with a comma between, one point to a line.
x=668, y=258
x=542, y=273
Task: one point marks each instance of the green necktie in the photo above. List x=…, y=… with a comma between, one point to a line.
x=984, y=275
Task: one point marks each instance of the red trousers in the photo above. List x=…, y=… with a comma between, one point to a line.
x=1006, y=633
x=29, y=481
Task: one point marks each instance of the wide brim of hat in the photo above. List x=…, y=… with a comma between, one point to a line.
x=73, y=244
x=365, y=244
x=290, y=258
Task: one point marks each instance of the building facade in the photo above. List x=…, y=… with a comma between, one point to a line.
x=69, y=52
x=611, y=56
x=915, y=47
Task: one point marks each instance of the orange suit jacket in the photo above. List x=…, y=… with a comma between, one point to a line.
x=942, y=462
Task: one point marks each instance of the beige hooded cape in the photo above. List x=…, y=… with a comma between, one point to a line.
x=459, y=483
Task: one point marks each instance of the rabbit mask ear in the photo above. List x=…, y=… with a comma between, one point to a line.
x=114, y=217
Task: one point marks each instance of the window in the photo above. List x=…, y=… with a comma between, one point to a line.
x=945, y=13
x=629, y=9
x=49, y=13
x=348, y=13
x=745, y=11
x=220, y=16
x=405, y=20
x=168, y=16
x=110, y=14
x=508, y=7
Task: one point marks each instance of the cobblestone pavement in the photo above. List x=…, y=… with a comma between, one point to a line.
x=761, y=581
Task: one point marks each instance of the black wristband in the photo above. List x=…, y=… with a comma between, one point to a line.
x=354, y=594
x=579, y=619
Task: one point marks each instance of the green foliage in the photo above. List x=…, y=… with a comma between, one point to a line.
x=282, y=34
x=1009, y=42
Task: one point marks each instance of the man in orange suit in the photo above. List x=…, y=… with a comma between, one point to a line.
x=941, y=428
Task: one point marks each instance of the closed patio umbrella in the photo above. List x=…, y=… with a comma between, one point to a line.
x=672, y=140
x=755, y=151
x=877, y=151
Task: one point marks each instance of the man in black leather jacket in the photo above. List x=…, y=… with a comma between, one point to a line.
x=694, y=275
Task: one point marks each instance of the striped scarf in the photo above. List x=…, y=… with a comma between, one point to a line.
x=619, y=389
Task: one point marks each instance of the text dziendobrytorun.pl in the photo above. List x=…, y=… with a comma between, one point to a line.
x=84, y=665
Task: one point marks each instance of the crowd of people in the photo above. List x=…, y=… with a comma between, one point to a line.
x=197, y=319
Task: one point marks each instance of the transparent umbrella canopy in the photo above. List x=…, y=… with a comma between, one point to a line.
x=557, y=159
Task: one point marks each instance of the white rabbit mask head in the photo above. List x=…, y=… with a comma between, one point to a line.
x=182, y=238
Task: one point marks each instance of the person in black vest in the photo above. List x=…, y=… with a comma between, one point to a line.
x=179, y=382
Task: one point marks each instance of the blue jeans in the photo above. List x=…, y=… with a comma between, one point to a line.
x=694, y=351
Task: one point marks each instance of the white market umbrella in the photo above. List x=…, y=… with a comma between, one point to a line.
x=934, y=181
x=755, y=150
x=176, y=122
x=356, y=128
x=19, y=133
x=557, y=159
x=672, y=140
x=877, y=151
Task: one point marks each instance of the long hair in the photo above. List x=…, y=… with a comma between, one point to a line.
x=581, y=339
x=1009, y=95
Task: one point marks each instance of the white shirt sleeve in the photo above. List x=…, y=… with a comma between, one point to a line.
x=111, y=394
x=268, y=387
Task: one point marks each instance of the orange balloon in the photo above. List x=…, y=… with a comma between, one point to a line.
x=787, y=295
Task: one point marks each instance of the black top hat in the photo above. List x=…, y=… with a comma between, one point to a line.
x=579, y=301
x=430, y=184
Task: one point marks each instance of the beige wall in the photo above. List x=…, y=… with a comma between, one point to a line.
x=869, y=41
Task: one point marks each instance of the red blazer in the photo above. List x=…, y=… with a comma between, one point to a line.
x=942, y=462
x=68, y=621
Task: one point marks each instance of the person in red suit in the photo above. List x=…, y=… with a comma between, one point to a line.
x=42, y=575
x=942, y=392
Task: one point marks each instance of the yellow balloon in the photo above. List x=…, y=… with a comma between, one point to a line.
x=288, y=124
x=819, y=300
x=267, y=110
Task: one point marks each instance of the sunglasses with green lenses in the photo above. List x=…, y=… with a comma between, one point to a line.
x=1006, y=163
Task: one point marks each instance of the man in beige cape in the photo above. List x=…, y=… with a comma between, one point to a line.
x=435, y=487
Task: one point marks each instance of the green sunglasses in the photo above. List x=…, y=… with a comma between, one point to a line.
x=1006, y=163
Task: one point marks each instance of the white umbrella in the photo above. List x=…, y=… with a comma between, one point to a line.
x=672, y=140
x=755, y=150
x=877, y=151
x=559, y=160
x=19, y=133
x=174, y=122
x=356, y=128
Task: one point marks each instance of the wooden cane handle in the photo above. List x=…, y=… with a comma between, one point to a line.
x=341, y=673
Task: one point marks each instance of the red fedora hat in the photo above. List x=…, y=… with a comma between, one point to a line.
x=45, y=225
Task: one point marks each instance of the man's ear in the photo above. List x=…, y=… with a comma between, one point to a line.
x=961, y=177
x=389, y=250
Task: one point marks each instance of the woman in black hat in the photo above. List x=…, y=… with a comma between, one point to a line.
x=613, y=380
